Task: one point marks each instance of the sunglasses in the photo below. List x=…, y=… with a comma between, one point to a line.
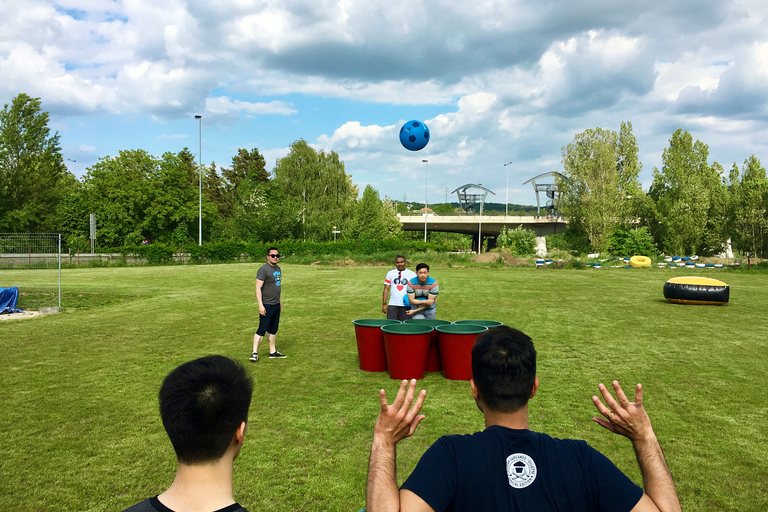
x=273, y=255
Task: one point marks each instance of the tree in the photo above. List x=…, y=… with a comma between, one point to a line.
x=688, y=198
x=601, y=170
x=33, y=177
x=136, y=196
x=316, y=189
x=369, y=216
x=748, y=211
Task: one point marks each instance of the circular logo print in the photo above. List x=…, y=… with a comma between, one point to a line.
x=521, y=470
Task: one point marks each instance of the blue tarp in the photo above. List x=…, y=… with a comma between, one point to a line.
x=8, y=299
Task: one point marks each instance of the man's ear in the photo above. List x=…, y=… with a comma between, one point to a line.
x=240, y=433
x=535, y=387
x=474, y=388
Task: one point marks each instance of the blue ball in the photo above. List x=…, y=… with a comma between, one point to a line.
x=414, y=135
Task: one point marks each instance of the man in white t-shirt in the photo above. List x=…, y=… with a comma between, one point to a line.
x=395, y=285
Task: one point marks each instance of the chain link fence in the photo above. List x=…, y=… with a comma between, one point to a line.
x=32, y=262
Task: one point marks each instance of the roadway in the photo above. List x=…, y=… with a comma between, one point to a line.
x=489, y=225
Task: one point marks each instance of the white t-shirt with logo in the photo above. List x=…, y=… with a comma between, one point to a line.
x=398, y=283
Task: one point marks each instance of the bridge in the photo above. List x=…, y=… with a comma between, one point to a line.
x=486, y=225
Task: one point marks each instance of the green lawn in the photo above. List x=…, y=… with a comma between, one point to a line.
x=78, y=407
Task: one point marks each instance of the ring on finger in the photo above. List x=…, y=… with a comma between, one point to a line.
x=609, y=414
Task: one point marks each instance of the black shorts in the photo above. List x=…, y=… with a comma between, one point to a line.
x=269, y=322
x=398, y=313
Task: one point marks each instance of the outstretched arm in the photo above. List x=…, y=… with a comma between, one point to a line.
x=395, y=422
x=630, y=420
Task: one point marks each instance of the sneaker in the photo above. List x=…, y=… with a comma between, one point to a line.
x=276, y=355
x=254, y=357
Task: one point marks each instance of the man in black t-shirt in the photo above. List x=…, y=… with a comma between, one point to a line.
x=508, y=467
x=204, y=407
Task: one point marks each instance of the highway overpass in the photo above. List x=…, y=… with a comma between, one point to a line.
x=488, y=225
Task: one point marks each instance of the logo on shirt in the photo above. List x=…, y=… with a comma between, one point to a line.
x=521, y=470
x=278, y=277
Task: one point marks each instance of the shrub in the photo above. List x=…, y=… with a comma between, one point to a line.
x=518, y=240
x=628, y=242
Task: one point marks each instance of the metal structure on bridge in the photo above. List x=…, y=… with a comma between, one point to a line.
x=551, y=190
x=469, y=201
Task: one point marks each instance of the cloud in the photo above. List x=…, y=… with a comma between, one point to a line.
x=223, y=105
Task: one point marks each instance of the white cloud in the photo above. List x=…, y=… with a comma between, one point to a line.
x=224, y=105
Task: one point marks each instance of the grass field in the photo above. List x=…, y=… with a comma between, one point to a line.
x=80, y=429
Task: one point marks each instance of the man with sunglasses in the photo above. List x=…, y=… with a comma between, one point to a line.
x=268, y=281
x=395, y=284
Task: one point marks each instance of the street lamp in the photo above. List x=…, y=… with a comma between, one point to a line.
x=426, y=201
x=506, y=212
x=200, y=160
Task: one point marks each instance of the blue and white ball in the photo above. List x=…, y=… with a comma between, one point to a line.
x=414, y=135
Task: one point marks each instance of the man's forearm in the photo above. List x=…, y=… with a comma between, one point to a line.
x=382, y=494
x=657, y=479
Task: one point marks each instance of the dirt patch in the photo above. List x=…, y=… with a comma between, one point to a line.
x=19, y=316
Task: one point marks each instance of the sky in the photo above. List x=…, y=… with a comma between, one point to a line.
x=497, y=82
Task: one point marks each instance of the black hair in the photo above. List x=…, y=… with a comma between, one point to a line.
x=421, y=266
x=202, y=404
x=504, y=368
x=275, y=248
x=400, y=256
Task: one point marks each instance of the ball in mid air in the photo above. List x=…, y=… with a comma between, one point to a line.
x=414, y=135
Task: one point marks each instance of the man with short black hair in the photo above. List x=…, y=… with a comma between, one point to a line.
x=204, y=407
x=269, y=279
x=395, y=284
x=422, y=294
x=508, y=466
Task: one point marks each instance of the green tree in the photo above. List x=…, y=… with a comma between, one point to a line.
x=33, y=177
x=369, y=216
x=601, y=169
x=688, y=198
x=317, y=190
x=748, y=211
x=136, y=196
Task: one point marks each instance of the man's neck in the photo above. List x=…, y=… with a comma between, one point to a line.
x=517, y=420
x=201, y=487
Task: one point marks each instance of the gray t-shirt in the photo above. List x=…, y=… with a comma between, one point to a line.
x=272, y=277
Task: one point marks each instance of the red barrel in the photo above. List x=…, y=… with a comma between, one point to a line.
x=370, y=343
x=406, y=346
x=456, y=342
x=485, y=323
x=433, y=356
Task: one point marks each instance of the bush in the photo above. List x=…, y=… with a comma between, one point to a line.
x=518, y=240
x=630, y=242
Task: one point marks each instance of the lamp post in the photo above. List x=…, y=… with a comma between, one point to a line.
x=426, y=200
x=480, y=225
x=506, y=211
x=200, y=160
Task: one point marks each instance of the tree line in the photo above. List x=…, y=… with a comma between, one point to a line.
x=691, y=207
x=137, y=196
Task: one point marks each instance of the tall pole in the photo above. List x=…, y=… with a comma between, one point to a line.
x=480, y=227
x=200, y=160
x=506, y=211
x=426, y=200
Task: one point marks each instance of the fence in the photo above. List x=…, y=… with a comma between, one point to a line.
x=32, y=262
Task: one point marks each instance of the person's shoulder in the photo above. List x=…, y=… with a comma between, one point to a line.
x=409, y=274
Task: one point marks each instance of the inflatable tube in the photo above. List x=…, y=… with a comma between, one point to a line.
x=640, y=261
x=696, y=290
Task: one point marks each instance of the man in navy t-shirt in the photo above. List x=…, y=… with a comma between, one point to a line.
x=508, y=467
